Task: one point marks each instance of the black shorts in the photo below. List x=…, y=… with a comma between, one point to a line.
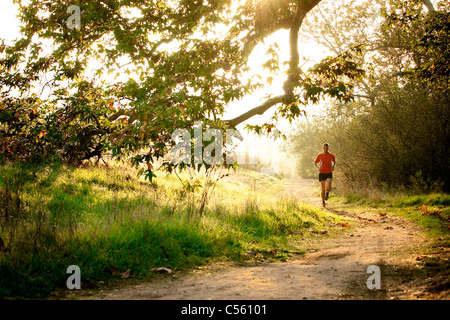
x=325, y=176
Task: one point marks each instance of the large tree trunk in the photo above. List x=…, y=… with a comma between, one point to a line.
x=304, y=6
x=429, y=5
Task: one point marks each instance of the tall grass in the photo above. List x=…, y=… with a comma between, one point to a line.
x=106, y=221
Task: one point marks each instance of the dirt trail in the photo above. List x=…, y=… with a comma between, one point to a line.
x=335, y=269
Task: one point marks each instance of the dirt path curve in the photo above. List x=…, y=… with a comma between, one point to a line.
x=336, y=269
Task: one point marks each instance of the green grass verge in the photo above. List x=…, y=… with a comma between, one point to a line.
x=106, y=221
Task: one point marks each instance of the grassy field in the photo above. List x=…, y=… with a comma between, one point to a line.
x=113, y=225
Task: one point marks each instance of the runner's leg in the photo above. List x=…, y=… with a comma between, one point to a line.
x=329, y=180
x=328, y=186
x=323, y=185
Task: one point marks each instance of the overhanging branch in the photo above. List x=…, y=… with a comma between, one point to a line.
x=258, y=110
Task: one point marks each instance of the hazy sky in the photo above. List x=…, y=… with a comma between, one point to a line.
x=9, y=24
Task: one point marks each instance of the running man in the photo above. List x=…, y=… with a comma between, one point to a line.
x=327, y=163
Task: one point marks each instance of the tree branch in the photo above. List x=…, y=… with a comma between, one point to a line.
x=258, y=110
x=429, y=5
x=402, y=73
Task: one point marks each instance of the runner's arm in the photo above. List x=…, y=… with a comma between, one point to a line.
x=316, y=162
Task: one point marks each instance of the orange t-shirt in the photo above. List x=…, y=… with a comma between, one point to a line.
x=326, y=160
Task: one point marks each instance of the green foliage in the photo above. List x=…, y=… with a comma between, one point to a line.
x=420, y=185
x=87, y=113
x=432, y=199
